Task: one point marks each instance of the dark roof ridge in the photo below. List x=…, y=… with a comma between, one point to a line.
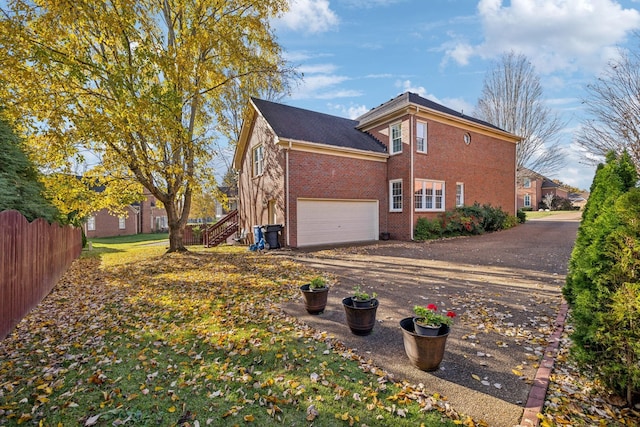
x=413, y=98
x=300, y=124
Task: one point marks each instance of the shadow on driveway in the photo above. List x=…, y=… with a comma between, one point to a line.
x=504, y=286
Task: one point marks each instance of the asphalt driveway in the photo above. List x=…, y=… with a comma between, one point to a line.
x=504, y=286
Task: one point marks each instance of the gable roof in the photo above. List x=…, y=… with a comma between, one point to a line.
x=409, y=98
x=298, y=124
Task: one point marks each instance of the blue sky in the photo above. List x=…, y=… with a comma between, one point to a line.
x=358, y=54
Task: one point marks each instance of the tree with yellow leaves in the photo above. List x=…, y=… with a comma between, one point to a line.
x=137, y=83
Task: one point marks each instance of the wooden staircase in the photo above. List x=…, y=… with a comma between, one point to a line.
x=218, y=233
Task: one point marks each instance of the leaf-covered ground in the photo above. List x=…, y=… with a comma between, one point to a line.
x=575, y=399
x=192, y=340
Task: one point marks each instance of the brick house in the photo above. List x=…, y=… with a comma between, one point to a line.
x=533, y=187
x=142, y=217
x=331, y=180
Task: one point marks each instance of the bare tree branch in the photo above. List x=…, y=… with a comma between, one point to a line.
x=613, y=104
x=512, y=100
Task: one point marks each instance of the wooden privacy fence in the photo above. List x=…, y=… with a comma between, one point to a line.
x=33, y=256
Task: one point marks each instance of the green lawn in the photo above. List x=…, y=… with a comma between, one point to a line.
x=538, y=214
x=132, y=336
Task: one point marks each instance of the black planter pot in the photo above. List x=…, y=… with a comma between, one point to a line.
x=428, y=331
x=360, y=303
x=315, y=300
x=361, y=320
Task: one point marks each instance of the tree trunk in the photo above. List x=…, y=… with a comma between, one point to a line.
x=176, y=230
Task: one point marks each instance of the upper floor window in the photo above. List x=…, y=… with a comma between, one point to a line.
x=91, y=223
x=429, y=195
x=421, y=137
x=395, y=195
x=122, y=223
x=396, y=138
x=459, y=194
x=527, y=200
x=527, y=182
x=258, y=160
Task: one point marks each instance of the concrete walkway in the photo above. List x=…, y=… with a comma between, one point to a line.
x=505, y=287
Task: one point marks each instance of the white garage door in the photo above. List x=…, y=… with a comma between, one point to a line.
x=336, y=221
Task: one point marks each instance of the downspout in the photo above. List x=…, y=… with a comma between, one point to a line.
x=515, y=188
x=286, y=193
x=411, y=179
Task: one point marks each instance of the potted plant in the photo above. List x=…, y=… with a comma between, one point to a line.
x=315, y=295
x=426, y=351
x=362, y=299
x=360, y=310
x=429, y=322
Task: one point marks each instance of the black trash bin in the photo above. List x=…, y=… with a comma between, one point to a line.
x=271, y=235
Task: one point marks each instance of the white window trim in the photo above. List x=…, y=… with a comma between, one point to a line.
x=122, y=223
x=257, y=163
x=461, y=201
x=91, y=223
x=526, y=183
x=527, y=197
x=391, y=127
x=426, y=133
x=423, y=195
x=391, y=199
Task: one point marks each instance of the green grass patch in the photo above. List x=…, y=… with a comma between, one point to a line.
x=153, y=339
x=543, y=214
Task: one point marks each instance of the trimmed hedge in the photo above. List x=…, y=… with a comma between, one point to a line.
x=602, y=286
x=464, y=221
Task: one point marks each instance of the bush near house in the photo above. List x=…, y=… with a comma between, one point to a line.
x=464, y=221
x=558, y=204
x=602, y=286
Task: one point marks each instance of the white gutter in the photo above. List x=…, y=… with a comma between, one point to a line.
x=286, y=193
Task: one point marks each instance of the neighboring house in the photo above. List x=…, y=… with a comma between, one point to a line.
x=332, y=180
x=533, y=187
x=142, y=217
x=232, y=201
x=579, y=200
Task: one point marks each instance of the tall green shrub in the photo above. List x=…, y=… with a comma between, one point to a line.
x=602, y=282
x=20, y=188
x=612, y=179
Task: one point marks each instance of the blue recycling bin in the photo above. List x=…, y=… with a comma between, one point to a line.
x=257, y=234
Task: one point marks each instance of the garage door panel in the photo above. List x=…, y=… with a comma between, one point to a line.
x=336, y=221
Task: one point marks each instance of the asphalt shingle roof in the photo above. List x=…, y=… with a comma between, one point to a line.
x=417, y=99
x=310, y=126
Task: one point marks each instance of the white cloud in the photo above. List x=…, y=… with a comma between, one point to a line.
x=317, y=68
x=351, y=112
x=580, y=167
x=457, y=104
x=369, y=4
x=339, y=93
x=320, y=81
x=553, y=34
x=309, y=16
x=407, y=86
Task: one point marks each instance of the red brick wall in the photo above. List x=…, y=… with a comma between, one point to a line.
x=107, y=225
x=323, y=176
x=486, y=167
x=398, y=167
x=254, y=193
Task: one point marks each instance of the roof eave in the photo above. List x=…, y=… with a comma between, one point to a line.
x=469, y=124
x=330, y=149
